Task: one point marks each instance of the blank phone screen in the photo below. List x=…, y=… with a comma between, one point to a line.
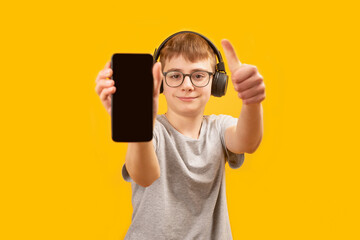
x=132, y=102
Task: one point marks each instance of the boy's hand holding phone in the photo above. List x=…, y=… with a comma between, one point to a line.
x=134, y=97
x=105, y=86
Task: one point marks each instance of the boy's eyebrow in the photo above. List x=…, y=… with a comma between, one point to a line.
x=192, y=70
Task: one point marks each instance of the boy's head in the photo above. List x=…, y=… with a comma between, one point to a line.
x=193, y=48
x=190, y=46
x=187, y=53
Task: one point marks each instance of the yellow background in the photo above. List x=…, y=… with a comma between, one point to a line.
x=61, y=172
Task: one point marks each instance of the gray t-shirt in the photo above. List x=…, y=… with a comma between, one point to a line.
x=188, y=201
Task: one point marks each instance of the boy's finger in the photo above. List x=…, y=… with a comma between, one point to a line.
x=107, y=72
x=104, y=74
x=103, y=84
x=157, y=77
x=106, y=92
x=107, y=65
x=160, y=78
x=232, y=60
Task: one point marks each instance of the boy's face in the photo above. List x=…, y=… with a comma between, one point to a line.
x=186, y=99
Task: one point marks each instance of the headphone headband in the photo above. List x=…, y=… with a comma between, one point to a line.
x=219, y=67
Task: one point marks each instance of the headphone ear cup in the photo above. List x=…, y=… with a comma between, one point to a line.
x=219, y=84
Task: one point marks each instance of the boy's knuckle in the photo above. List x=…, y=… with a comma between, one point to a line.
x=253, y=69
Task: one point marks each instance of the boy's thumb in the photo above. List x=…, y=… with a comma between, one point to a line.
x=157, y=74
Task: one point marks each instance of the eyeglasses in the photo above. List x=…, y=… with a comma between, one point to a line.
x=198, y=78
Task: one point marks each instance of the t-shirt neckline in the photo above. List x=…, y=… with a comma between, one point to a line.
x=182, y=135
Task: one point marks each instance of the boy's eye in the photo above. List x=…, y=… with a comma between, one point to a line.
x=175, y=76
x=199, y=76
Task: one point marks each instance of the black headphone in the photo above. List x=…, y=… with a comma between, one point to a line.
x=220, y=80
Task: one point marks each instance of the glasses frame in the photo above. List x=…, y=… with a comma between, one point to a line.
x=184, y=75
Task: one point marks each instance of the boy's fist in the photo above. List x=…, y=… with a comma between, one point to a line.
x=246, y=78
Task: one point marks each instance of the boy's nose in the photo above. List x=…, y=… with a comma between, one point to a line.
x=187, y=83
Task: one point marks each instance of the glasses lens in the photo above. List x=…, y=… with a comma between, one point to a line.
x=200, y=78
x=174, y=79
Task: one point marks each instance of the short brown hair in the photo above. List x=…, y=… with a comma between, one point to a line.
x=189, y=45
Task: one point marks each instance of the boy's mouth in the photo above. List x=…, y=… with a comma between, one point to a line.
x=187, y=99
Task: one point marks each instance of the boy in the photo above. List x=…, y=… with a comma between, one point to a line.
x=177, y=179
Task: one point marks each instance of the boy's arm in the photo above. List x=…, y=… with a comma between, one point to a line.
x=141, y=163
x=247, y=134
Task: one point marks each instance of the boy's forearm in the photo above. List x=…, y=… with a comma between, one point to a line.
x=142, y=163
x=250, y=125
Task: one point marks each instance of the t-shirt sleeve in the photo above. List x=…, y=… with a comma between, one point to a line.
x=124, y=172
x=235, y=160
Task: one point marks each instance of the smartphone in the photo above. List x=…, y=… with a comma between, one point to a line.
x=132, y=102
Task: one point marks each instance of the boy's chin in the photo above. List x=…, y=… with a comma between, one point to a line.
x=190, y=111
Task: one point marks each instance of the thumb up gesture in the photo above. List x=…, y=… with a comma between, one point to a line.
x=246, y=78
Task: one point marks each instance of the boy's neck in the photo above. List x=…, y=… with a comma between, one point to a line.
x=187, y=125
